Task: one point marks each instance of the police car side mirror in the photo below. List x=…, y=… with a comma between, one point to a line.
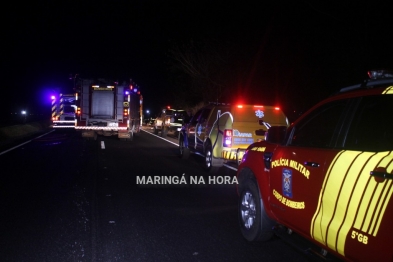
x=276, y=134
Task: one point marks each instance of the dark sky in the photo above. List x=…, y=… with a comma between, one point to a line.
x=295, y=51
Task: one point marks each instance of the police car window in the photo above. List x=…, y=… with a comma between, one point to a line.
x=318, y=128
x=372, y=125
x=205, y=115
x=194, y=119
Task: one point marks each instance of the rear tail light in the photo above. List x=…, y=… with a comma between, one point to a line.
x=78, y=111
x=227, y=138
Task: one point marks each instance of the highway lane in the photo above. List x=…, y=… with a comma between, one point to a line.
x=69, y=199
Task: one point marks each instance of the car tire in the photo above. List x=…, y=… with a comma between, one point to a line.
x=184, y=152
x=164, y=132
x=155, y=131
x=255, y=225
x=209, y=160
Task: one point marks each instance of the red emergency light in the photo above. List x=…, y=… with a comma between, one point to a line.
x=227, y=138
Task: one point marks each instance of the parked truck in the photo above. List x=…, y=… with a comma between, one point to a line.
x=107, y=108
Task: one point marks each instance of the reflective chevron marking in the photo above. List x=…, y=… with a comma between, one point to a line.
x=359, y=203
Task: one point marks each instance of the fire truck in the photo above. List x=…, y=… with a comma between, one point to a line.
x=64, y=110
x=108, y=108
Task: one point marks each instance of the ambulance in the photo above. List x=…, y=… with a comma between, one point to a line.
x=222, y=132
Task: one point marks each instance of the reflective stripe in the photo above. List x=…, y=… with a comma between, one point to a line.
x=110, y=128
x=351, y=198
x=63, y=121
x=388, y=90
x=54, y=108
x=61, y=110
x=63, y=126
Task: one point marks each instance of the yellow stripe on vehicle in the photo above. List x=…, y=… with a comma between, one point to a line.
x=351, y=198
x=229, y=155
x=388, y=90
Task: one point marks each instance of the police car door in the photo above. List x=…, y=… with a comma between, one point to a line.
x=201, y=129
x=355, y=210
x=191, y=127
x=298, y=168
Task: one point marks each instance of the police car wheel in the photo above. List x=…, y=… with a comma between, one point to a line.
x=255, y=225
x=184, y=152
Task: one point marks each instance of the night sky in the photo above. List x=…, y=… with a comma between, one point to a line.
x=293, y=53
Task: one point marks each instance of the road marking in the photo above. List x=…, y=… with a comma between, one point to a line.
x=227, y=166
x=230, y=167
x=102, y=145
x=1, y=153
x=160, y=137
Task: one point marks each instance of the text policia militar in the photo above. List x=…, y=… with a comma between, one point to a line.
x=186, y=180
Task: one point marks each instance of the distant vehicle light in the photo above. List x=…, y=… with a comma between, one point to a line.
x=53, y=97
x=240, y=106
x=377, y=74
x=276, y=108
x=258, y=106
x=127, y=93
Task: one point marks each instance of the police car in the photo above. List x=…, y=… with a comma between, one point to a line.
x=328, y=177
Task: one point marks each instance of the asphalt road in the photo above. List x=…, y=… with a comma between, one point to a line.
x=69, y=199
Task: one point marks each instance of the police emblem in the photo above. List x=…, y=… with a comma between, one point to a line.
x=287, y=182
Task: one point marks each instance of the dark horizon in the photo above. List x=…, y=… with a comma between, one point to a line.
x=290, y=53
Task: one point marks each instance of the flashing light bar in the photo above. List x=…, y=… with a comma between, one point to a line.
x=257, y=106
x=97, y=86
x=378, y=74
x=227, y=137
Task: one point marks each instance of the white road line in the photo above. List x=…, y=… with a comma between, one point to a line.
x=160, y=137
x=8, y=150
x=102, y=145
x=230, y=167
x=227, y=166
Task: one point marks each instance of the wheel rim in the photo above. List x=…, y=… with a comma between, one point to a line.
x=208, y=158
x=248, y=210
